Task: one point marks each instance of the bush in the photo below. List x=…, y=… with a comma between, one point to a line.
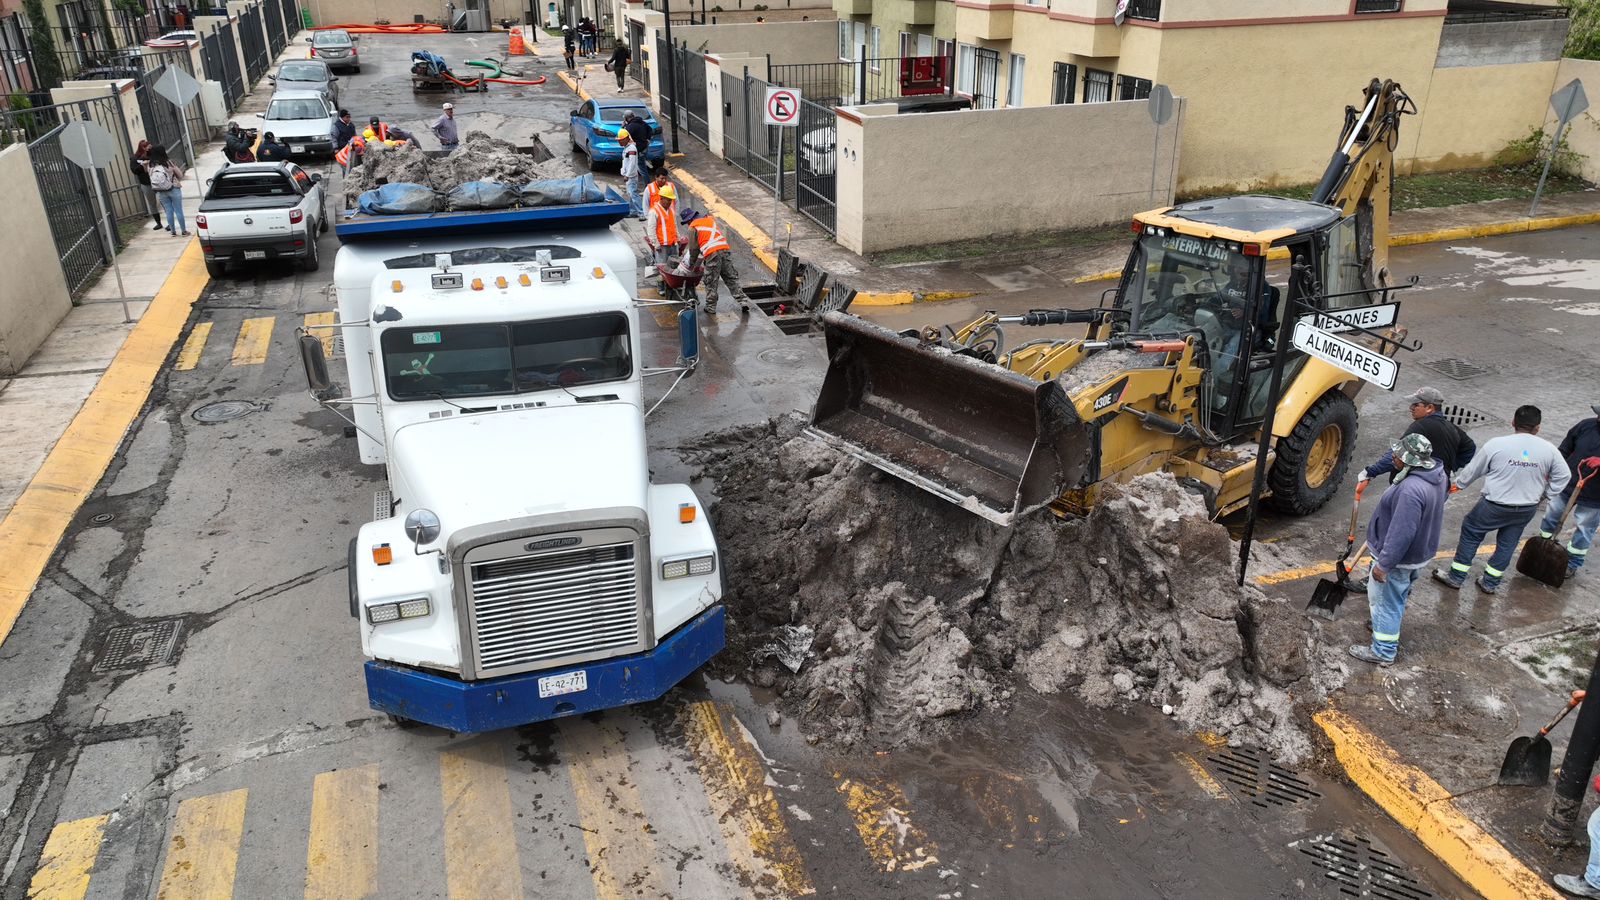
x=1529, y=153
x=46, y=65
x=1583, y=36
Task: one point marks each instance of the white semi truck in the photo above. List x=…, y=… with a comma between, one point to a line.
x=520, y=566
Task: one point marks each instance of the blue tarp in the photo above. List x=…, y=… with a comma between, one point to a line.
x=481, y=195
x=562, y=191
x=398, y=199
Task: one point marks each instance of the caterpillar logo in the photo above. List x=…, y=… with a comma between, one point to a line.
x=553, y=543
x=1111, y=396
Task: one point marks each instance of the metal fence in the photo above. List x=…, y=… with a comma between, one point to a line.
x=217, y=49
x=70, y=208
x=816, y=169
x=253, y=41
x=691, y=106
x=750, y=144
x=272, y=15
x=868, y=80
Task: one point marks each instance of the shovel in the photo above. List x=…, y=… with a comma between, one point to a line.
x=1528, y=761
x=1330, y=592
x=1543, y=558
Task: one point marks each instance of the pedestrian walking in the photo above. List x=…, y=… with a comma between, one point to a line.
x=618, y=65
x=1451, y=445
x=140, y=166
x=661, y=223
x=568, y=45
x=1581, y=450
x=166, y=180
x=1518, y=470
x=1403, y=532
x=444, y=128
x=709, y=247
x=343, y=130
x=630, y=173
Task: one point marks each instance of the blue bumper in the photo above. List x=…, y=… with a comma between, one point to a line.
x=610, y=151
x=492, y=704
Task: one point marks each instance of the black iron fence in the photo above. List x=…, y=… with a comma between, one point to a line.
x=253, y=41
x=868, y=80
x=1149, y=10
x=1474, y=12
x=816, y=170
x=763, y=152
x=221, y=58
x=691, y=106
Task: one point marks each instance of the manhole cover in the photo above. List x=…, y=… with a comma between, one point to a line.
x=1255, y=777
x=102, y=518
x=1462, y=416
x=1359, y=869
x=782, y=356
x=224, y=411
x=139, y=646
x=1454, y=367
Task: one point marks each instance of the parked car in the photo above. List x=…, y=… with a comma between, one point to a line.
x=818, y=146
x=595, y=125
x=337, y=48
x=303, y=120
x=307, y=75
x=174, y=39
x=261, y=211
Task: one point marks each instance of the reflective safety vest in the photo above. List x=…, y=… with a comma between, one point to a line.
x=709, y=236
x=666, y=224
x=381, y=135
x=343, y=156
x=652, y=193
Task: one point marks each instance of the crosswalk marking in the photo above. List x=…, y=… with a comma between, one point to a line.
x=189, y=356
x=622, y=851
x=203, y=850
x=255, y=335
x=883, y=820
x=342, y=851
x=324, y=334
x=736, y=785
x=68, y=858
x=480, y=846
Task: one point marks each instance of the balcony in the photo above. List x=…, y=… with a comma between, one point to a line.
x=847, y=8
x=984, y=23
x=912, y=12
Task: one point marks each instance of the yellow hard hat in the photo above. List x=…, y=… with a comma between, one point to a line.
x=668, y=192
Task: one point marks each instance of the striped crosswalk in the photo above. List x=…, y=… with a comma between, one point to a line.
x=253, y=339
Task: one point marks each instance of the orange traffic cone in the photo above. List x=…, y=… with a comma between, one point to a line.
x=518, y=48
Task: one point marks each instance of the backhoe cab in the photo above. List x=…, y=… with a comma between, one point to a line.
x=1191, y=331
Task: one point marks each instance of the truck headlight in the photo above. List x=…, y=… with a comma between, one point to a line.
x=379, y=613
x=703, y=564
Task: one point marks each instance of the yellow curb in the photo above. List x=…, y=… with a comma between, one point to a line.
x=900, y=298
x=759, y=242
x=573, y=83
x=1423, y=807
x=34, y=526
x=1327, y=567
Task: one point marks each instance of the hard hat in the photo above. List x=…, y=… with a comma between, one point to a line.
x=623, y=135
x=449, y=106
x=667, y=192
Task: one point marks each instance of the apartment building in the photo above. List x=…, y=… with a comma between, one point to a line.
x=1266, y=80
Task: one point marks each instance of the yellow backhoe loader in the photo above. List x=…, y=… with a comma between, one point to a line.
x=1173, y=373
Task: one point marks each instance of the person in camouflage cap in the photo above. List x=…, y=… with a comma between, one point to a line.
x=1403, y=534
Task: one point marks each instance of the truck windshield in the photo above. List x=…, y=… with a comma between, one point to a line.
x=476, y=360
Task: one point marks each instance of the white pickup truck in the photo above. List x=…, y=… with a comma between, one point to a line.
x=261, y=211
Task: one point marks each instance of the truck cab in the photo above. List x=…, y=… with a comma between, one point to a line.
x=520, y=566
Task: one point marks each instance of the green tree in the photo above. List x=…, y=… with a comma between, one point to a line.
x=46, y=65
x=1583, y=37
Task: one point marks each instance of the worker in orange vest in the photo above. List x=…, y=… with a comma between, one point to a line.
x=388, y=135
x=349, y=155
x=661, y=223
x=653, y=189
x=709, y=247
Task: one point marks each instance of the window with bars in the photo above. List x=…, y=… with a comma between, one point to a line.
x=1130, y=88
x=1379, y=6
x=1148, y=10
x=1096, y=86
x=1064, y=83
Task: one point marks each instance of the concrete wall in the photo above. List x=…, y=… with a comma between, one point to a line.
x=1584, y=135
x=401, y=12
x=1081, y=165
x=33, y=297
x=1498, y=43
x=787, y=42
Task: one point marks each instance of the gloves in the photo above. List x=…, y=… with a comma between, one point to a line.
x=1592, y=462
x=1362, y=479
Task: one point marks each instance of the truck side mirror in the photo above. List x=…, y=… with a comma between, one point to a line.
x=422, y=527
x=688, y=336
x=316, y=365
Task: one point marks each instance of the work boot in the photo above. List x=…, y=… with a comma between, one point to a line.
x=1576, y=885
x=711, y=309
x=1365, y=654
x=1490, y=586
x=1448, y=580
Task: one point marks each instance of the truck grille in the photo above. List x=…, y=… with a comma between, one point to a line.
x=558, y=604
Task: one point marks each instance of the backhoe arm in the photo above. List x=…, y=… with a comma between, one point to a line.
x=1360, y=176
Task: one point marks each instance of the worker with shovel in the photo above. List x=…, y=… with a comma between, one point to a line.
x=1581, y=447
x=1403, y=533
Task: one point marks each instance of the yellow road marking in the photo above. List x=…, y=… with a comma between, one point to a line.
x=204, y=848
x=1423, y=807
x=255, y=335
x=34, y=526
x=324, y=334
x=611, y=812
x=736, y=784
x=1010, y=806
x=480, y=844
x=68, y=858
x=1327, y=567
x=189, y=356
x=1203, y=778
x=342, y=852
x=883, y=819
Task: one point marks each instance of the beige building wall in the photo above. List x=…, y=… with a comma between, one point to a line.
x=984, y=183
x=1453, y=131
x=33, y=298
x=786, y=42
x=403, y=12
x=1583, y=137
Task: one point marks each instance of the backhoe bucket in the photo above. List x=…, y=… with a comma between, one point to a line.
x=976, y=434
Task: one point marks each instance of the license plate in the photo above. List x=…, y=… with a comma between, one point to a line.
x=297, y=148
x=570, y=683
x=255, y=254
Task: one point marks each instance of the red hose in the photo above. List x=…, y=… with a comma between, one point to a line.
x=477, y=81
x=540, y=80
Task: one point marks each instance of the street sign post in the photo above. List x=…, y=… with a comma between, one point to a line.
x=1567, y=103
x=1160, y=106
x=90, y=147
x=1364, y=363
x=782, y=110
x=180, y=88
x=1334, y=321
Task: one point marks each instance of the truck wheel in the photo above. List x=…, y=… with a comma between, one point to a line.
x=312, y=259
x=350, y=577
x=216, y=268
x=1313, y=458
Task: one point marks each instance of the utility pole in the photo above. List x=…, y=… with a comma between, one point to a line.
x=671, y=70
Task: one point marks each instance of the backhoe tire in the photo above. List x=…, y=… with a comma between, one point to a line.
x=1312, y=459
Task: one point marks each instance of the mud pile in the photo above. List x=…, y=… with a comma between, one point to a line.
x=922, y=612
x=480, y=157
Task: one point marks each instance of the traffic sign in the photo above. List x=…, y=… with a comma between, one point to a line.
x=1569, y=101
x=782, y=107
x=177, y=86
x=1160, y=104
x=88, y=145
x=1334, y=321
x=1368, y=365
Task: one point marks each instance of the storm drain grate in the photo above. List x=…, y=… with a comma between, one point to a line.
x=1254, y=777
x=139, y=646
x=1462, y=416
x=224, y=411
x=1359, y=869
x=1457, y=368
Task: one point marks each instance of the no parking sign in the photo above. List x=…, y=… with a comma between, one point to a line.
x=782, y=106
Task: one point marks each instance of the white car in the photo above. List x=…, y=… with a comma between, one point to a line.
x=173, y=39
x=261, y=211
x=301, y=119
